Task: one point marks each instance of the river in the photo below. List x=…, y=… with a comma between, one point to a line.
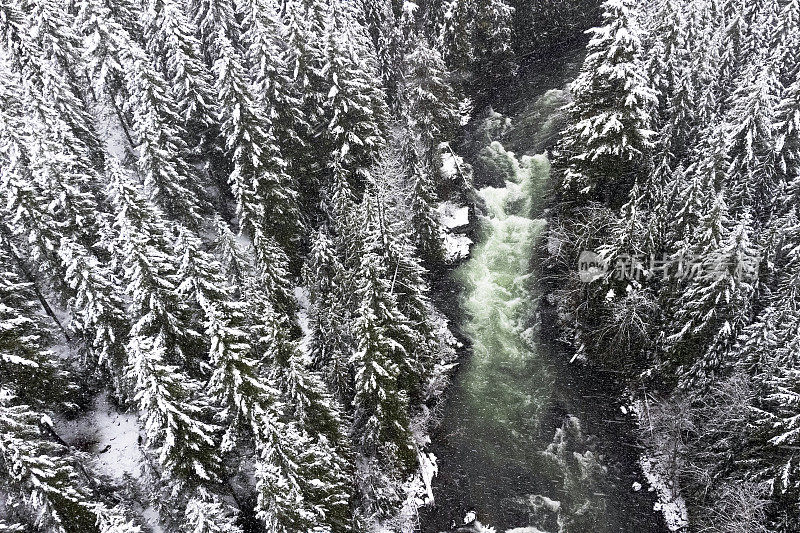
x=528, y=443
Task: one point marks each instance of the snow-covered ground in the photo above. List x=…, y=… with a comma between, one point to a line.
x=456, y=247
x=454, y=219
x=110, y=436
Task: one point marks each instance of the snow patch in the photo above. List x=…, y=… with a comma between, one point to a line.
x=670, y=502
x=449, y=163
x=656, y=470
x=301, y=295
x=150, y=516
x=428, y=470
x=470, y=517
x=110, y=129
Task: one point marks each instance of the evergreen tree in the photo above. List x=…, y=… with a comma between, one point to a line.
x=99, y=311
x=492, y=54
x=608, y=142
x=236, y=263
x=45, y=477
x=270, y=58
x=49, y=186
x=216, y=24
x=306, y=57
x=459, y=20
x=381, y=361
x=430, y=100
x=424, y=217
x=28, y=367
x=751, y=143
x=205, y=513
x=787, y=139
x=265, y=195
x=329, y=315
x=356, y=107
x=169, y=179
x=45, y=50
x=715, y=306
x=177, y=52
x=381, y=22
x=409, y=277
x=161, y=339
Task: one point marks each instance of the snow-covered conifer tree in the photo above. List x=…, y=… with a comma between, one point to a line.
x=608, y=142
x=163, y=341
x=381, y=362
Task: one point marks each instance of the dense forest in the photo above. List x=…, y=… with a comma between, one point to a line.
x=223, y=237
x=680, y=169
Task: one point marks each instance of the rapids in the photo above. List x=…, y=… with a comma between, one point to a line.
x=528, y=443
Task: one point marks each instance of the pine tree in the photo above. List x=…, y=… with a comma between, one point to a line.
x=301, y=482
x=289, y=500
x=306, y=39
x=43, y=476
x=330, y=337
x=272, y=266
x=456, y=36
x=28, y=366
x=381, y=22
x=751, y=144
x=424, y=217
x=783, y=42
x=169, y=180
x=48, y=183
x=178, y=55
x=409, y=277
x=668, y=53
x=270, y=58
x=45, y=50
x=430, y=101
x=716, y=304
x=356, y=107
x=298, y=110
x=99, y=311
x=206, y=513
x=265, y=196
x=787, y=139
x=608, y=142
x=236, y=263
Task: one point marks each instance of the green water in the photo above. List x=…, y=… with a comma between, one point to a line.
x=527, y=443
x=505, y=384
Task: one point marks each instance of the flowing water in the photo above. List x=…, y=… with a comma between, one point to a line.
x=528, y=443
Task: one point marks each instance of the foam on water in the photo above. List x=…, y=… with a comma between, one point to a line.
x=501, y=399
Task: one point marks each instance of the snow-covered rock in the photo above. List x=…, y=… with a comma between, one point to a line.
x=456, y=247
x=453, y=216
